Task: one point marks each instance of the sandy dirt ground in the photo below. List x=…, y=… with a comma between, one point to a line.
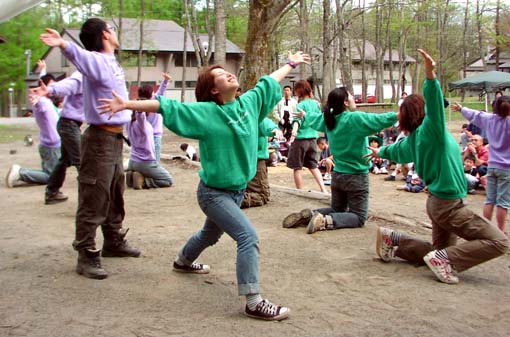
x=331, y=280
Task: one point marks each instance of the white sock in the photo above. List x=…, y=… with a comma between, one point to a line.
x=252, y=300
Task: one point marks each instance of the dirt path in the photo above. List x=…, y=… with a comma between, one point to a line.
x=331, y=280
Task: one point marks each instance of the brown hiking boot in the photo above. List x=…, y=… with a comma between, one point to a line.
x=115, y=245
x=89, y=264
x=55, y=198
x=297, y=219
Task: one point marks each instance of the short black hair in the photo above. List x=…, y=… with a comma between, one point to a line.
x=47, y=78
x=145, y=92
x=91, y=34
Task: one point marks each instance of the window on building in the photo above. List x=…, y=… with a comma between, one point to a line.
x=189, y=84
x=191, y=60
x=130, y=59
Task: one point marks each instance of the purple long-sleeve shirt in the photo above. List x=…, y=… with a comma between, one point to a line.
x=156, y=120
x=101, y=74
x=71, y=89
x=141, y=137
x=498, y=134
x=46, y=117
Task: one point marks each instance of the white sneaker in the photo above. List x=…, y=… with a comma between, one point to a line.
x=12, y=176
x=441, y=268
x=327, y=176
x=384, y=170
x=376, y=170
x=384, y=244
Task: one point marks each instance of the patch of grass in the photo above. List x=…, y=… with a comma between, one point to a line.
x=12, y=133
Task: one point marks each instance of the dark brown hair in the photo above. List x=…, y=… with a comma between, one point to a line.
x=502, y=106
x=412, y=112
x=205, y=84
x=302, y=89
x=145, y=92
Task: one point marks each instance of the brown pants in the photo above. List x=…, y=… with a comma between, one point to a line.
x=101, y=186
x=451, y=218
x=257, y=192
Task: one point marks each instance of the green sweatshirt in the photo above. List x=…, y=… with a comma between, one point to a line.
x=227, y=134
x=265, y=130
x=311, y=107
x=348, y=141
x=435, y=153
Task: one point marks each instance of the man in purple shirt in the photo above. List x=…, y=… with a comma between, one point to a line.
x=68, y=128
x=101, y=175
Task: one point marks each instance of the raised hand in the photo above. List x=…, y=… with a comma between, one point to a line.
x=111, y=105
x=52, y=38
x=167, y=77
x=41, y=90
x=299, y=57
x=34, y=98
x=41, y=64
x=430, y=64
x=456, y=106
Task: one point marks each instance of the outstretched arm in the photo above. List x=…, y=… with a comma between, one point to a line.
x=293, y=61
x=117, y=103
x=430, y=65
x=52, y=38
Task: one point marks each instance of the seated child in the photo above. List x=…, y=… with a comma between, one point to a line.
x=379, y=165
x=413, y=184
x=275, y=155
x=326, y=162
x=472, y=174
x=190, y=151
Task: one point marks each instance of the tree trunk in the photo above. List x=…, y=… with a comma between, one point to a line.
x=343, y=45
x=220, y=33
x=364, y=83
x=379, y=51
x=263, y=16
x=328, y=81
x=119, y=35
x=140, y=49
x=184, y=59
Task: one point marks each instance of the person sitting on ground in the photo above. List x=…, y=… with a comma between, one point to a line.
x=190, y=151
x=227, y=130
x=477, y=149
x=379, y=165
x=440, y=166
x=257, y=193
x=326, y=162
x=46, y=117
x=347, y=130
x=468, y=133
x=472, y=174
x=143, y=169
x=413, y=184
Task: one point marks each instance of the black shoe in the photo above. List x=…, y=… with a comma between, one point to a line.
x=390, y=178
x=268, y=311
x=89, y=264
x=195, y=268
x=55, y=198
x=115, y=245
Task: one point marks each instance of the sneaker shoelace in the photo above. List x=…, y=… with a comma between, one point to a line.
x=267, y=308
x=196, y=266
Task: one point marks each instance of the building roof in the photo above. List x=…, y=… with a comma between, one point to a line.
x=159, y=35
x=370, y=53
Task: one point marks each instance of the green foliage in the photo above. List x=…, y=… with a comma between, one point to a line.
x=10, y=133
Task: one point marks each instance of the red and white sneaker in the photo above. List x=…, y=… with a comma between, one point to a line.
x=268, y=311
x=384, y=244
x=441, y=268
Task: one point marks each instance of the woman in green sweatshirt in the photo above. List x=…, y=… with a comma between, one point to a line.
x=227, y=131
x=440, y=166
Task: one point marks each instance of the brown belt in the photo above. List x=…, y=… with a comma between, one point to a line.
x=110, y=128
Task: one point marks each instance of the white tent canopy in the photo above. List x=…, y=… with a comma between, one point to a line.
x=11, y=8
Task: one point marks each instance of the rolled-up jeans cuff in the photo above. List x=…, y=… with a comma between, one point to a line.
x=183, y=259
x=249, y=288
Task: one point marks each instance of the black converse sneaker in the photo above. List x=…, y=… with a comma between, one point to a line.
x=268, y=311
x=194, y=268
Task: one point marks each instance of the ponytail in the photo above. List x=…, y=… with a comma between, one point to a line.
x=334, y=106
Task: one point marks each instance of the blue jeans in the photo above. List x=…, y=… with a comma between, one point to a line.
x=49, y=159
x=155, y=175
x=224, y=215
x=157, y=148
x=349, y=200
x=70, y=136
